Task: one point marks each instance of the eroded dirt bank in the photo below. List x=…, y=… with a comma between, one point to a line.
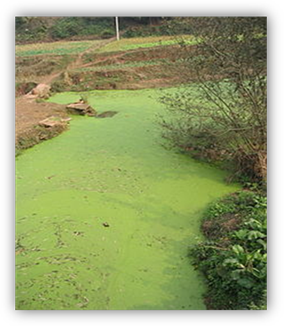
x=29, y=114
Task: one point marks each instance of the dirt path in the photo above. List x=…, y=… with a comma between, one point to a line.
x=29, y=112
x=77, y=63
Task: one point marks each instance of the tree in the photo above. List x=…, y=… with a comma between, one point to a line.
x=154, y=20
x=224, y=114
x=20, y=22
x=142, y=20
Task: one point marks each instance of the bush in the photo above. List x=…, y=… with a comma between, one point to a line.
x=225, y=113
x=233, y=258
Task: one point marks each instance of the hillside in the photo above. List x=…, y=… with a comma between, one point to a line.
x=101, y=64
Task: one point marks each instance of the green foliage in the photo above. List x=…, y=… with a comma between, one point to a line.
x=234, y=261
x=63, y=48
x=30, y=29
x=142, y=31
x=20, y=22
x=66, y=27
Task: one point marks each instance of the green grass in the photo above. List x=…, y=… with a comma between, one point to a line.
x=146, y=42
x=124, y=65
x=57, y=48
x=74, y=47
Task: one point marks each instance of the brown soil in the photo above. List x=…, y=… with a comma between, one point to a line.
x=216, y=228
x=29, y=114
x=63, y=73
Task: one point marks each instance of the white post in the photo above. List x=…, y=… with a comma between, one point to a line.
x=117, y=28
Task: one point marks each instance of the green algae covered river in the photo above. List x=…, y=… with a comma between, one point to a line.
x=105, y=214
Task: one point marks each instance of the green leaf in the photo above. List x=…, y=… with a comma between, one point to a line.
x=231, y=261
x=238, y=249
x=255, y=235
x=245, y=282
x=262, y=243
x=236, y=274
x=241, y=234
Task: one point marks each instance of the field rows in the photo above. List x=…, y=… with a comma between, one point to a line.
x=116, y=66
x=74, y=47
x=58, y=48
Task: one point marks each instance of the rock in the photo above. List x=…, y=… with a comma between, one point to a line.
x=50, y=127
x=41, y=91
x=54, y=121
x=81, y=109
x=107, y=114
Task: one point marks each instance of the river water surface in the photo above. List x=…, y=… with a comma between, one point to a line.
x=105, y=214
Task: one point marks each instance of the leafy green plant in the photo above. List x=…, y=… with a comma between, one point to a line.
x=234, y=261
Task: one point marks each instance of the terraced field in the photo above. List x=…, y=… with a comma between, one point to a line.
x=146, y=42
x=55, y=48
x=134, y=63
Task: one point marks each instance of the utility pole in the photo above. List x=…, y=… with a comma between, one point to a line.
x=117, y=28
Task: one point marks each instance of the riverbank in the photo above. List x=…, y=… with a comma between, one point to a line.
x=28, y=128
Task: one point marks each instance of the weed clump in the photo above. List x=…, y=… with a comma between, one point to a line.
x=233, y=258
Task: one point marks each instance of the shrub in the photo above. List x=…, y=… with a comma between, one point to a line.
x=225, y=113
